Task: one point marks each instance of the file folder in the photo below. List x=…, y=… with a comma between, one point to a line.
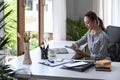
x=80, y=68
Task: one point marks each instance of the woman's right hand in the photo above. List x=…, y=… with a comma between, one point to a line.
x=73, y=46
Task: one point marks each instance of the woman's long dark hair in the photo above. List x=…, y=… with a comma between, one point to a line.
x=92, y=16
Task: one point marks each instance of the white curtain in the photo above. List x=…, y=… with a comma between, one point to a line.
x=109, y=11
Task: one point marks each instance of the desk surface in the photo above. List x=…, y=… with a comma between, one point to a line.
x=56, y=73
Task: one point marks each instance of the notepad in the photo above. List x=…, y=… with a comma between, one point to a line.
x=75, y=64
x=55, y=63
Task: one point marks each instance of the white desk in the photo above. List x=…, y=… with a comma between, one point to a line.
x=56, y=73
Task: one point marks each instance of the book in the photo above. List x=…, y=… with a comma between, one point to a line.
x=103, y=65
x=102, y=69
x=103, y=61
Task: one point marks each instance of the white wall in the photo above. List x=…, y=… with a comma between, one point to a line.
x=76, y=8
x=59, y=20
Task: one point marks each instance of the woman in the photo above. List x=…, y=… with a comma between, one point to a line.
x=96, y=38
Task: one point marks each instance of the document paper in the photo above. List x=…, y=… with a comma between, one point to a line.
x=75, y=64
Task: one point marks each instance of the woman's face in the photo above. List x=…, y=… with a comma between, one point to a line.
x=89, y=24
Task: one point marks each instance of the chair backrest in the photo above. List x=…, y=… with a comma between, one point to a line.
x=114, y=46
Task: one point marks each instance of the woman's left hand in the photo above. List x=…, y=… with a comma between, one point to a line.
x=82, y=53
x=79, y=51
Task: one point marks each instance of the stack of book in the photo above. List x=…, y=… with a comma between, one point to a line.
x=103, y=65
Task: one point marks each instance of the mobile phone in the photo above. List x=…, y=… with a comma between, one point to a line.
x=69, y=47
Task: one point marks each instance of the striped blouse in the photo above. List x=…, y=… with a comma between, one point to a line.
x=97, y=44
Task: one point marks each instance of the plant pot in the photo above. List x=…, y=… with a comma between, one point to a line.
x=27, y=58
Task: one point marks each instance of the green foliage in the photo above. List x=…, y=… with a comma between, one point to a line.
x=75, y=29
x=33, y=40
x=27, y=36
x=6, y=73
x=6, y=37
x=11, y=26
x=13, y=50
x=33, y=43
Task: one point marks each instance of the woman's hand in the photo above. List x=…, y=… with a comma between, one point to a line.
x=73, y=46
x=82, y=53
x=79, y=51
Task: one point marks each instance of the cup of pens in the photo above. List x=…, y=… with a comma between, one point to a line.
x=44, y=50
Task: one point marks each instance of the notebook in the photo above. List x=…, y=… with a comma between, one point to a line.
x=103, y=65
x=79, y=66
x=74, y=64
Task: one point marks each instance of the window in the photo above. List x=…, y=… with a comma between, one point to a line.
x=21, y=20
x=29, y=4
x=109, y=12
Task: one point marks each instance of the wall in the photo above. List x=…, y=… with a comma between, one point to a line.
x=67, y=8
x=59, y=20
x=76, y=8
x=70, y=8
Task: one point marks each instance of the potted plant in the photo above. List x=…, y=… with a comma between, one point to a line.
x=75, y=29
x=5, y=72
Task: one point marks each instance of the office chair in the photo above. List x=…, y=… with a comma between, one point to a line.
x=114, y=46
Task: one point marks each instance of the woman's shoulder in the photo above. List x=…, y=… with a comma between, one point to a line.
x=104, y=35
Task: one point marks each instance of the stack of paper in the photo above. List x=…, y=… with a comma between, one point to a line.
x=75, y=64
x=103, y=65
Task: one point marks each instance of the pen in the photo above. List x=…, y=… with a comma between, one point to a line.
x=51, y=61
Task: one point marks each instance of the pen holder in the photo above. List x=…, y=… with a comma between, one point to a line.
x=44, y=52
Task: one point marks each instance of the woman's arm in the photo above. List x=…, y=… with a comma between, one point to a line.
x=81, y=41
x=82, y=53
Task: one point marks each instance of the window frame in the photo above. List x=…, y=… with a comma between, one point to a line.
x=21, y=24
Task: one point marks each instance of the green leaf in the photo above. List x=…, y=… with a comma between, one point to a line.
x=75, y=28
x=6, y=38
